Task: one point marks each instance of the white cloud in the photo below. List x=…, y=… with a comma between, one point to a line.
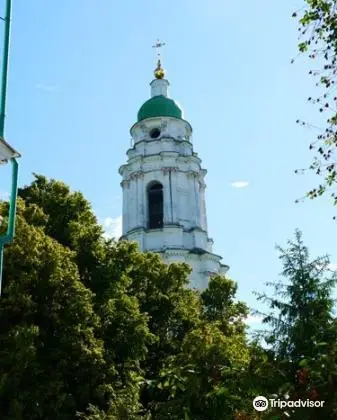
x=332, y=267
x=253, y=319
x=47, y=88
x=240, y=184
x=113, y=227
x=329, y=267
x=4, y=196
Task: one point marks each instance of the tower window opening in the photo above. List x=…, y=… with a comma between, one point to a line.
x=154, y=133
x=156, y=208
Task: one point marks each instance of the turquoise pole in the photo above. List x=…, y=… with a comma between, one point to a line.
x=1, y=263
x=12, y=204
x=9, y=235
x=5, y=59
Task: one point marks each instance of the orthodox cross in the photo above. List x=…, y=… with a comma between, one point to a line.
x=158, y=46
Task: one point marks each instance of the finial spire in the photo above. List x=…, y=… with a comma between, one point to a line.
x=159, y=72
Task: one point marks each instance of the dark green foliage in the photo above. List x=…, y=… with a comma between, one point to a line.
x=318, y=41
x=303, y=333
x=69, y=220
x=202, y=375
x=50, y=360
x=144, y=317
x=96, y=330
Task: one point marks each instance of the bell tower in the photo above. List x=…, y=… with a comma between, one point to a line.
x=163, y=184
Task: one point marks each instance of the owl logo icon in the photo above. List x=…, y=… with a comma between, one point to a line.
x=260, y=403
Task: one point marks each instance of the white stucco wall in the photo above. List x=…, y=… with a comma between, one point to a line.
x=170, y=160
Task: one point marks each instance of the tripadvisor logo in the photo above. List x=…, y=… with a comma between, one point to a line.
x=261, y=403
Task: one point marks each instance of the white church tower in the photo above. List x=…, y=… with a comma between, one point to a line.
x=164, y=189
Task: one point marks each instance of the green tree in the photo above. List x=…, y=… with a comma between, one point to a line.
x=303, y=330
x=144, y=305
x=173, y=311
x=203, y=380
x=156, y=348
x=318, y=42
x=219, y=305
x=104, y=267
x=146, y=311
x=69, y=220
x=51, y=362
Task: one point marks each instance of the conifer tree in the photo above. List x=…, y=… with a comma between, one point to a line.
x=303, y=329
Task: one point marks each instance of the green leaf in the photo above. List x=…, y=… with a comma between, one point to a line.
x=303, y=47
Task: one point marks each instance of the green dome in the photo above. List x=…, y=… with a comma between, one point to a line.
x=159, y=106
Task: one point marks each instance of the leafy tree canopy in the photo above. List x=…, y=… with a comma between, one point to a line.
x=96, y=330
x=318, y=41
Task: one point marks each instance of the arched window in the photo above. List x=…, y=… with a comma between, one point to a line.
x=155, y=203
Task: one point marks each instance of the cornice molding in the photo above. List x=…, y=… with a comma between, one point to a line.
x=169, y=169
x=136, y=175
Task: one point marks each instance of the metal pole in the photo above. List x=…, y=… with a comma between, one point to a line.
x=5, y=59
x=12, y=203
x=8, y=237
x=1, y=264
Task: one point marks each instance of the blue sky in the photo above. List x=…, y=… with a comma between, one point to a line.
x=80, y=70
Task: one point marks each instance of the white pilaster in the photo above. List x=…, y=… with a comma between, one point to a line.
x=203, y=207
x=125, y=218
x=140, y=202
